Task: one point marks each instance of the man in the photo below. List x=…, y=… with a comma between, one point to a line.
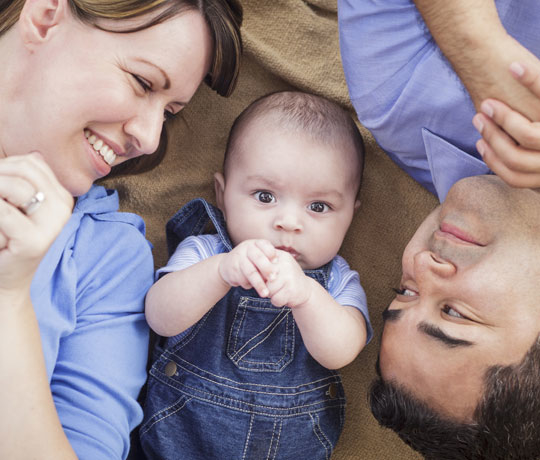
x=460, y=355
x=408, y=95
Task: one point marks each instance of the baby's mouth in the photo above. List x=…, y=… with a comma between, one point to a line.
x=290, y=250
x=106, y=152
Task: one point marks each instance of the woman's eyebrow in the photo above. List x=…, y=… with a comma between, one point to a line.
x=438, y=334
x=166, y=79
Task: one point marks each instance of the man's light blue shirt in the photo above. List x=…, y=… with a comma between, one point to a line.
x=407, y=94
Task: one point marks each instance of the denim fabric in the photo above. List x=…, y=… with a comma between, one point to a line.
x=240, y=383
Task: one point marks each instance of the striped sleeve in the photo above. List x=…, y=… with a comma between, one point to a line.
x=344, y=286
x=190, y=251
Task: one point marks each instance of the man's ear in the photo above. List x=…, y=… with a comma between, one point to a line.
x=39, y=19
x=219, y=186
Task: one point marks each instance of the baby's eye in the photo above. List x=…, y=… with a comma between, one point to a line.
x=264, y=197
x=319, y=206
x=451, y=312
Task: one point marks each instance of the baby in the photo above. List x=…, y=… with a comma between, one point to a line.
x=258, y=312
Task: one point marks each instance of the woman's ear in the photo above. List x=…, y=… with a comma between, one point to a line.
x=39, y=19
x=219, y=186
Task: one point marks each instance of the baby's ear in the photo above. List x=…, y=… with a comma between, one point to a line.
x=39, y=18
x=219, y=187
x=357, y=205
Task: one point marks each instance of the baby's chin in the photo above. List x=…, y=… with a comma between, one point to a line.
x=311, y=265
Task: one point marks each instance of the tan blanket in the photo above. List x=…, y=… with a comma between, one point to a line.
x=294, y=44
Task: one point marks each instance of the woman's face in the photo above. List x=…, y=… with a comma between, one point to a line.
x=92, y=99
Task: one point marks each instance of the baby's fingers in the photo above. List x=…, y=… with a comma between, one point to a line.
x=254, y=278
x=262, y=257
x=267, y=248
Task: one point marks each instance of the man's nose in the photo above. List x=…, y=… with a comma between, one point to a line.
x=288, y=219
x=144, y=130
x=429, y=263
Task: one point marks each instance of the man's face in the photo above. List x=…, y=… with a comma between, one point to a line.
x=468, y=297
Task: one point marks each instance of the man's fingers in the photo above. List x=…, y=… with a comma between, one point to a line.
x=514, y=178
x=526, y=76
x=525, y=132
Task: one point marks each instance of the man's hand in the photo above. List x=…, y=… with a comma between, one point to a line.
x=475, y=42
x=510, y=143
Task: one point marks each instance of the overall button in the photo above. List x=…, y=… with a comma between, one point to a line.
x=170, y=369
x=332, y=390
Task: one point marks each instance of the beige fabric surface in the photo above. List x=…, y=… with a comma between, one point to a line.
x=294, y=44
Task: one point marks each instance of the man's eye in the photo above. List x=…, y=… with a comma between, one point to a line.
x=319, y=206
x=405, y=292
x=265, y=197
x=451, y=312
x=167, y=115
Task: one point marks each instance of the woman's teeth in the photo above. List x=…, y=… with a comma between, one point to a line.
x=100, y=147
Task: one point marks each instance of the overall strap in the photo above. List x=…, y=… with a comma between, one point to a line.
x=321, y=274
x=192, y=219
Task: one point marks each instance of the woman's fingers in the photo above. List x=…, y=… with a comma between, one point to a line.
x=16, y=190
x=34, y=207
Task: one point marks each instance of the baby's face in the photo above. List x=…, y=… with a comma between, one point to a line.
x=296, y=192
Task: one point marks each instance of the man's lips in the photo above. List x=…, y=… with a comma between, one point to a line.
x=452, y=232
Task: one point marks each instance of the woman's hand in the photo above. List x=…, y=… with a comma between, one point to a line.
x=510, y=143
x=25, y=237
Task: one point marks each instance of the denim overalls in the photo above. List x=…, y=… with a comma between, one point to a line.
x=240, y=383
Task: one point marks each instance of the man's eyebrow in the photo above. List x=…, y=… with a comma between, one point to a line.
x=438, y=334
x=391, y=315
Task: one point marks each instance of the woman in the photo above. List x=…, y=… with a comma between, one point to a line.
x=87, y=84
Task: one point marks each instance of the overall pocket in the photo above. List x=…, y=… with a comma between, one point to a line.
x=262, y=336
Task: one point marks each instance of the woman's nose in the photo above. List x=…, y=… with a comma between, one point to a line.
x=144, y=130
x=427, y=262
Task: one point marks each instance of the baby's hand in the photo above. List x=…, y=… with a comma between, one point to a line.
x=249, y=265
x=290, y=286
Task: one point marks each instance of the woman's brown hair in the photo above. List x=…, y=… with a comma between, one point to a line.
x=224, y=18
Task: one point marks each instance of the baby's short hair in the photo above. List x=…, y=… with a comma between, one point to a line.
x=309, y=114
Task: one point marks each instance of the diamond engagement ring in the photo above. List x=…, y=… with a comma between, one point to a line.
x=33, y=204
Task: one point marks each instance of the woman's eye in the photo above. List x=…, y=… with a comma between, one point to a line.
x=451, y=312
x=318, y=206
x=264, y=197
x=405, y=292
x=143, y=82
